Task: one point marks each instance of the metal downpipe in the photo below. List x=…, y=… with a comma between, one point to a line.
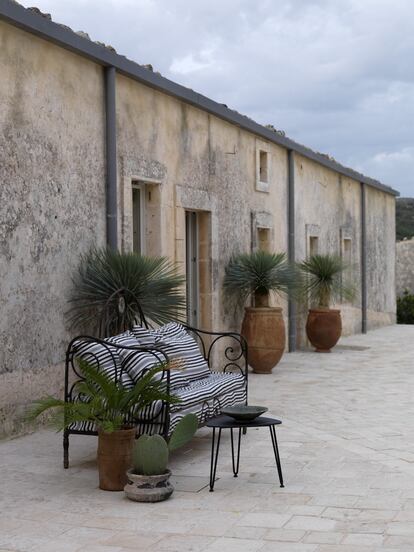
x=111, y=167
x=291, y=247
x=364, y=301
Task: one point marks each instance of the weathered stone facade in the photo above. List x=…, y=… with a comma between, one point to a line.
x=405, y=267
x=52, y=174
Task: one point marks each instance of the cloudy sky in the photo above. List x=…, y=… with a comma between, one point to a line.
x=336, y=75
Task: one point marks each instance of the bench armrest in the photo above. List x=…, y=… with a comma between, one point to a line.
x=230, y=347
x=160, y=357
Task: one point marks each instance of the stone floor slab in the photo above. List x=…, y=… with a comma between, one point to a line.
x=347, y=450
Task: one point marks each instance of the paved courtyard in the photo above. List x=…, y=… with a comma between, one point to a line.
x=347, y=449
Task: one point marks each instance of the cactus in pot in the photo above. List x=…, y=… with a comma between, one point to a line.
x=148, y=480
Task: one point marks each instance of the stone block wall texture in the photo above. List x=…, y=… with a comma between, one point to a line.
x=405, y=267
x=52, y=204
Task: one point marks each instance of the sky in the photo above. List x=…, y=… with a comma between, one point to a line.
x=335, y=75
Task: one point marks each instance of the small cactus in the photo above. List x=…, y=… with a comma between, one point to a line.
x=150, y=455
x=151, y=452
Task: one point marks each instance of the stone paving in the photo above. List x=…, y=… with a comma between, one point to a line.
x=347, y=449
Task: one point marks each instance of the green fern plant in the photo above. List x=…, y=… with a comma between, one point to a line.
x=323, y=280
x=106, y=403
x=258, y=274
x=111, y=289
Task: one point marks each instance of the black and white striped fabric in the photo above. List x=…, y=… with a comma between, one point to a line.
x=174, y=340
x=146, y=338
x=102, y=357
x=205, y=389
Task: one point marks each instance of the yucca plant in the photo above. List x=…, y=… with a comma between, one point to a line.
x=112, y=290
x=258, y=274
x=323, y=281
x=103, y=401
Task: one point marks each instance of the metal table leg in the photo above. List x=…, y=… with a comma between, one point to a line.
x=214, y=457
x=235, y=465
x=276, y=451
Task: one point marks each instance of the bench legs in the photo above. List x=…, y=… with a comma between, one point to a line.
x=65, y=449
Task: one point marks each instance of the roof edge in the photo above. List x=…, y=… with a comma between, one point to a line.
x=63, y=36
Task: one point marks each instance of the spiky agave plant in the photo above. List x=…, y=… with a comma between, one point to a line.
x=111, y=289
x=323, y=282
x=258, y=274
x=103, y=401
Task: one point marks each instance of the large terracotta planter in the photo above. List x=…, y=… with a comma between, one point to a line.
x=148, y=488
x=323, y=328
x=114, y=458
x=264, y=330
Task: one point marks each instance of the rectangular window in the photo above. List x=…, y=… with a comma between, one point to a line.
x=313, y=245
x=347, y=251
x=346, y=254
x=138, y=201
x=263, y=166
x=263, y=239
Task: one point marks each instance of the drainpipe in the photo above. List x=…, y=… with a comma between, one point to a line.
x=291, y=247
x=111, y=172
x=363, y=260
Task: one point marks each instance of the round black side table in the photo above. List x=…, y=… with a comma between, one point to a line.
x=225, y=422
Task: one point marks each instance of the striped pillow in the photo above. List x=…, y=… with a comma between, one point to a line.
x=136, y=363
x=102, y=357
x=146, y=338
x=184, y=348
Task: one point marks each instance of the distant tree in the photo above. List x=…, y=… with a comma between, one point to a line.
x=405, y=218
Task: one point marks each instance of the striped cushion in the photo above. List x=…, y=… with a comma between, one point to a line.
x=136, y=363
x=174, y=340
x=209, y=408
x=215, y=385
x=103, y=357
x=146, y=338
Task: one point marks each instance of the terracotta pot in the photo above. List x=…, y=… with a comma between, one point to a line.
x=323, y=328
x=114, y=458
x=264, y=330
x=148, y=488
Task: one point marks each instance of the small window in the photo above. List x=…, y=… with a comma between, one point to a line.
x=263, y=161
x=263, y=167
x=263, y=239
x=313, y=246
x=347, y=251
x=138, y=196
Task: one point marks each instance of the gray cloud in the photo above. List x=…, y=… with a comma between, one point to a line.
x=336, y=75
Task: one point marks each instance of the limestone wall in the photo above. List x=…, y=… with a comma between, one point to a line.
x=52, y=207
x=405, y=267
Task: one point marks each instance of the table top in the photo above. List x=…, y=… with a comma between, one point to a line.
x=226, y=422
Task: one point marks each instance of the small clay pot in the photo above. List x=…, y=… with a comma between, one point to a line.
x=324, y=328
x=148, y=488
x=264, y=330
x=114, y=458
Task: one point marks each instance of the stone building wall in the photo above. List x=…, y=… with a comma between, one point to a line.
x=52, y=208
x=405, y=267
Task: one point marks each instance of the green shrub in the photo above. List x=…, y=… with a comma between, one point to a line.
x=405, y=308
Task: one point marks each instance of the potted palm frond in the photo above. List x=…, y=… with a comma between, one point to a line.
x=323, y=284
x=112, y=290
x=149, y=478
x=111, y=407
x=257, y=275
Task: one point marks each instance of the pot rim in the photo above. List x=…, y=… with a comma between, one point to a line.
x=166, y=475
x=324, y=309
x=265, y=309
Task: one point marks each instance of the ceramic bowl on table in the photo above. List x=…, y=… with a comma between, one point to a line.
x=243, y=413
